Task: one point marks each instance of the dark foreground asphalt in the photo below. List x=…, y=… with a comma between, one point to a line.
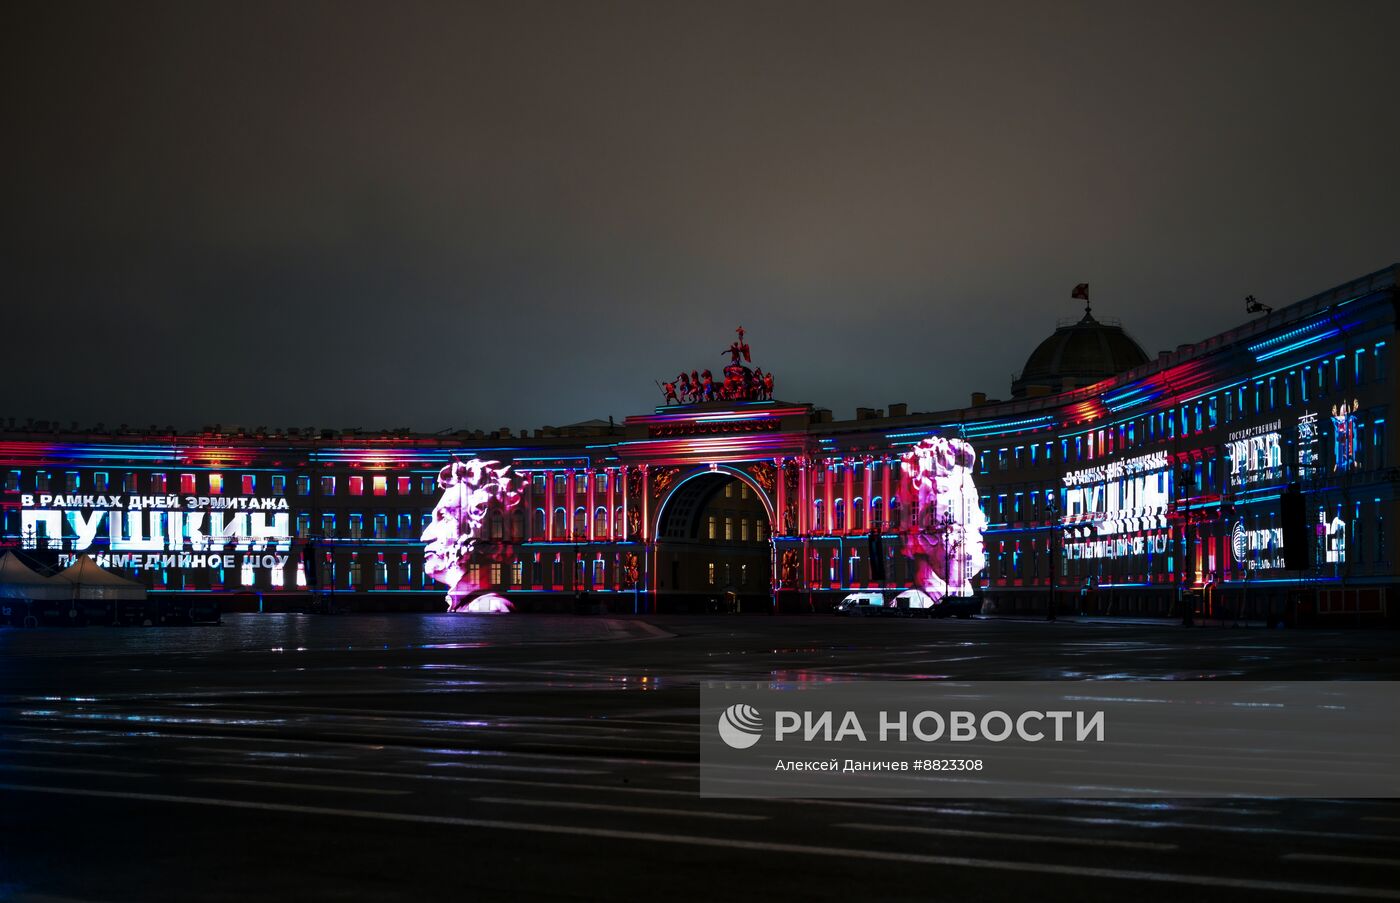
x=412, y=758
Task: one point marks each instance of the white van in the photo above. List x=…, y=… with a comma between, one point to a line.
x=858, y=604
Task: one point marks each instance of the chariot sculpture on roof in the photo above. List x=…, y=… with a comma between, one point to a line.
x=741, y=383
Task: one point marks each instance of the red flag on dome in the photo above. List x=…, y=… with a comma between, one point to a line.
x=1081, y=291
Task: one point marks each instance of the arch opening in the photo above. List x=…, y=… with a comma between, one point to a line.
x=713, y=545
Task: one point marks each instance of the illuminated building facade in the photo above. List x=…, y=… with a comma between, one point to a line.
x=1115, y=497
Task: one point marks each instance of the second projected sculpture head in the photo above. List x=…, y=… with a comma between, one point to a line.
x=942, y=531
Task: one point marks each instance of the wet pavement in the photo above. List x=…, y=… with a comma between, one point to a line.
x=410, y=757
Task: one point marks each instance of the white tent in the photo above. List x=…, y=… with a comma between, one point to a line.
x=88, y=581
x=19, y=581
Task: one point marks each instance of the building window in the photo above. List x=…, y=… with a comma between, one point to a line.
x=710, y=530
x=12, y=481
x=758, y=530
x=158, y=482
x=381, y=485
x=216, y=484
x=381, y=526
x=303, y=484
x=327, y=485
x=404, y=485
x=99, y=481
x=743, y=529
x=250, y=483
x=729, y=490
x=381, y=572
x=710, y=570
x=279, y=484
x=328, y=525
x=356, y=485
x=728, y=528
x=517, y=573
x=427, y=485
x=71, y=481
x=357, y=525
x=496, y=568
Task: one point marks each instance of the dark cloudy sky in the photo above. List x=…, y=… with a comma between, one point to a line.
x=445, y=215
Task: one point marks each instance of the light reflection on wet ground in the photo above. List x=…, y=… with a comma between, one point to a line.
x=587, y=725
x=292, y=633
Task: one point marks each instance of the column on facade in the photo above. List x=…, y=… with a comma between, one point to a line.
x=592, y=494
x=612, y=505
x=830, y=497
x=870, y=493
x=646, y=503
x=885, y=485
x=571, y=494
x=802, y=499
x=779, y=500
x=549, y=505
x=848, y=497
x=625, y=502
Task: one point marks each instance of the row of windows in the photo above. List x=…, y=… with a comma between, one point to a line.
x=1344, y=535
x=1255, y=397
x=360, y=571
x=1367, y=448
x=726, y=571
x=717, y=527
x=862, y=516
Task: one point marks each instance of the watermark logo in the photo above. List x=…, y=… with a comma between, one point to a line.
x=740, y=726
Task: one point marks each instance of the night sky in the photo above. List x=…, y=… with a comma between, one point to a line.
x=517, y=214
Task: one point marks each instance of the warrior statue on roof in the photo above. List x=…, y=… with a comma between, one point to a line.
x=738, y=348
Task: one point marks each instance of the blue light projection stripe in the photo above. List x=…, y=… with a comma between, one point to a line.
x=1301, y=343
